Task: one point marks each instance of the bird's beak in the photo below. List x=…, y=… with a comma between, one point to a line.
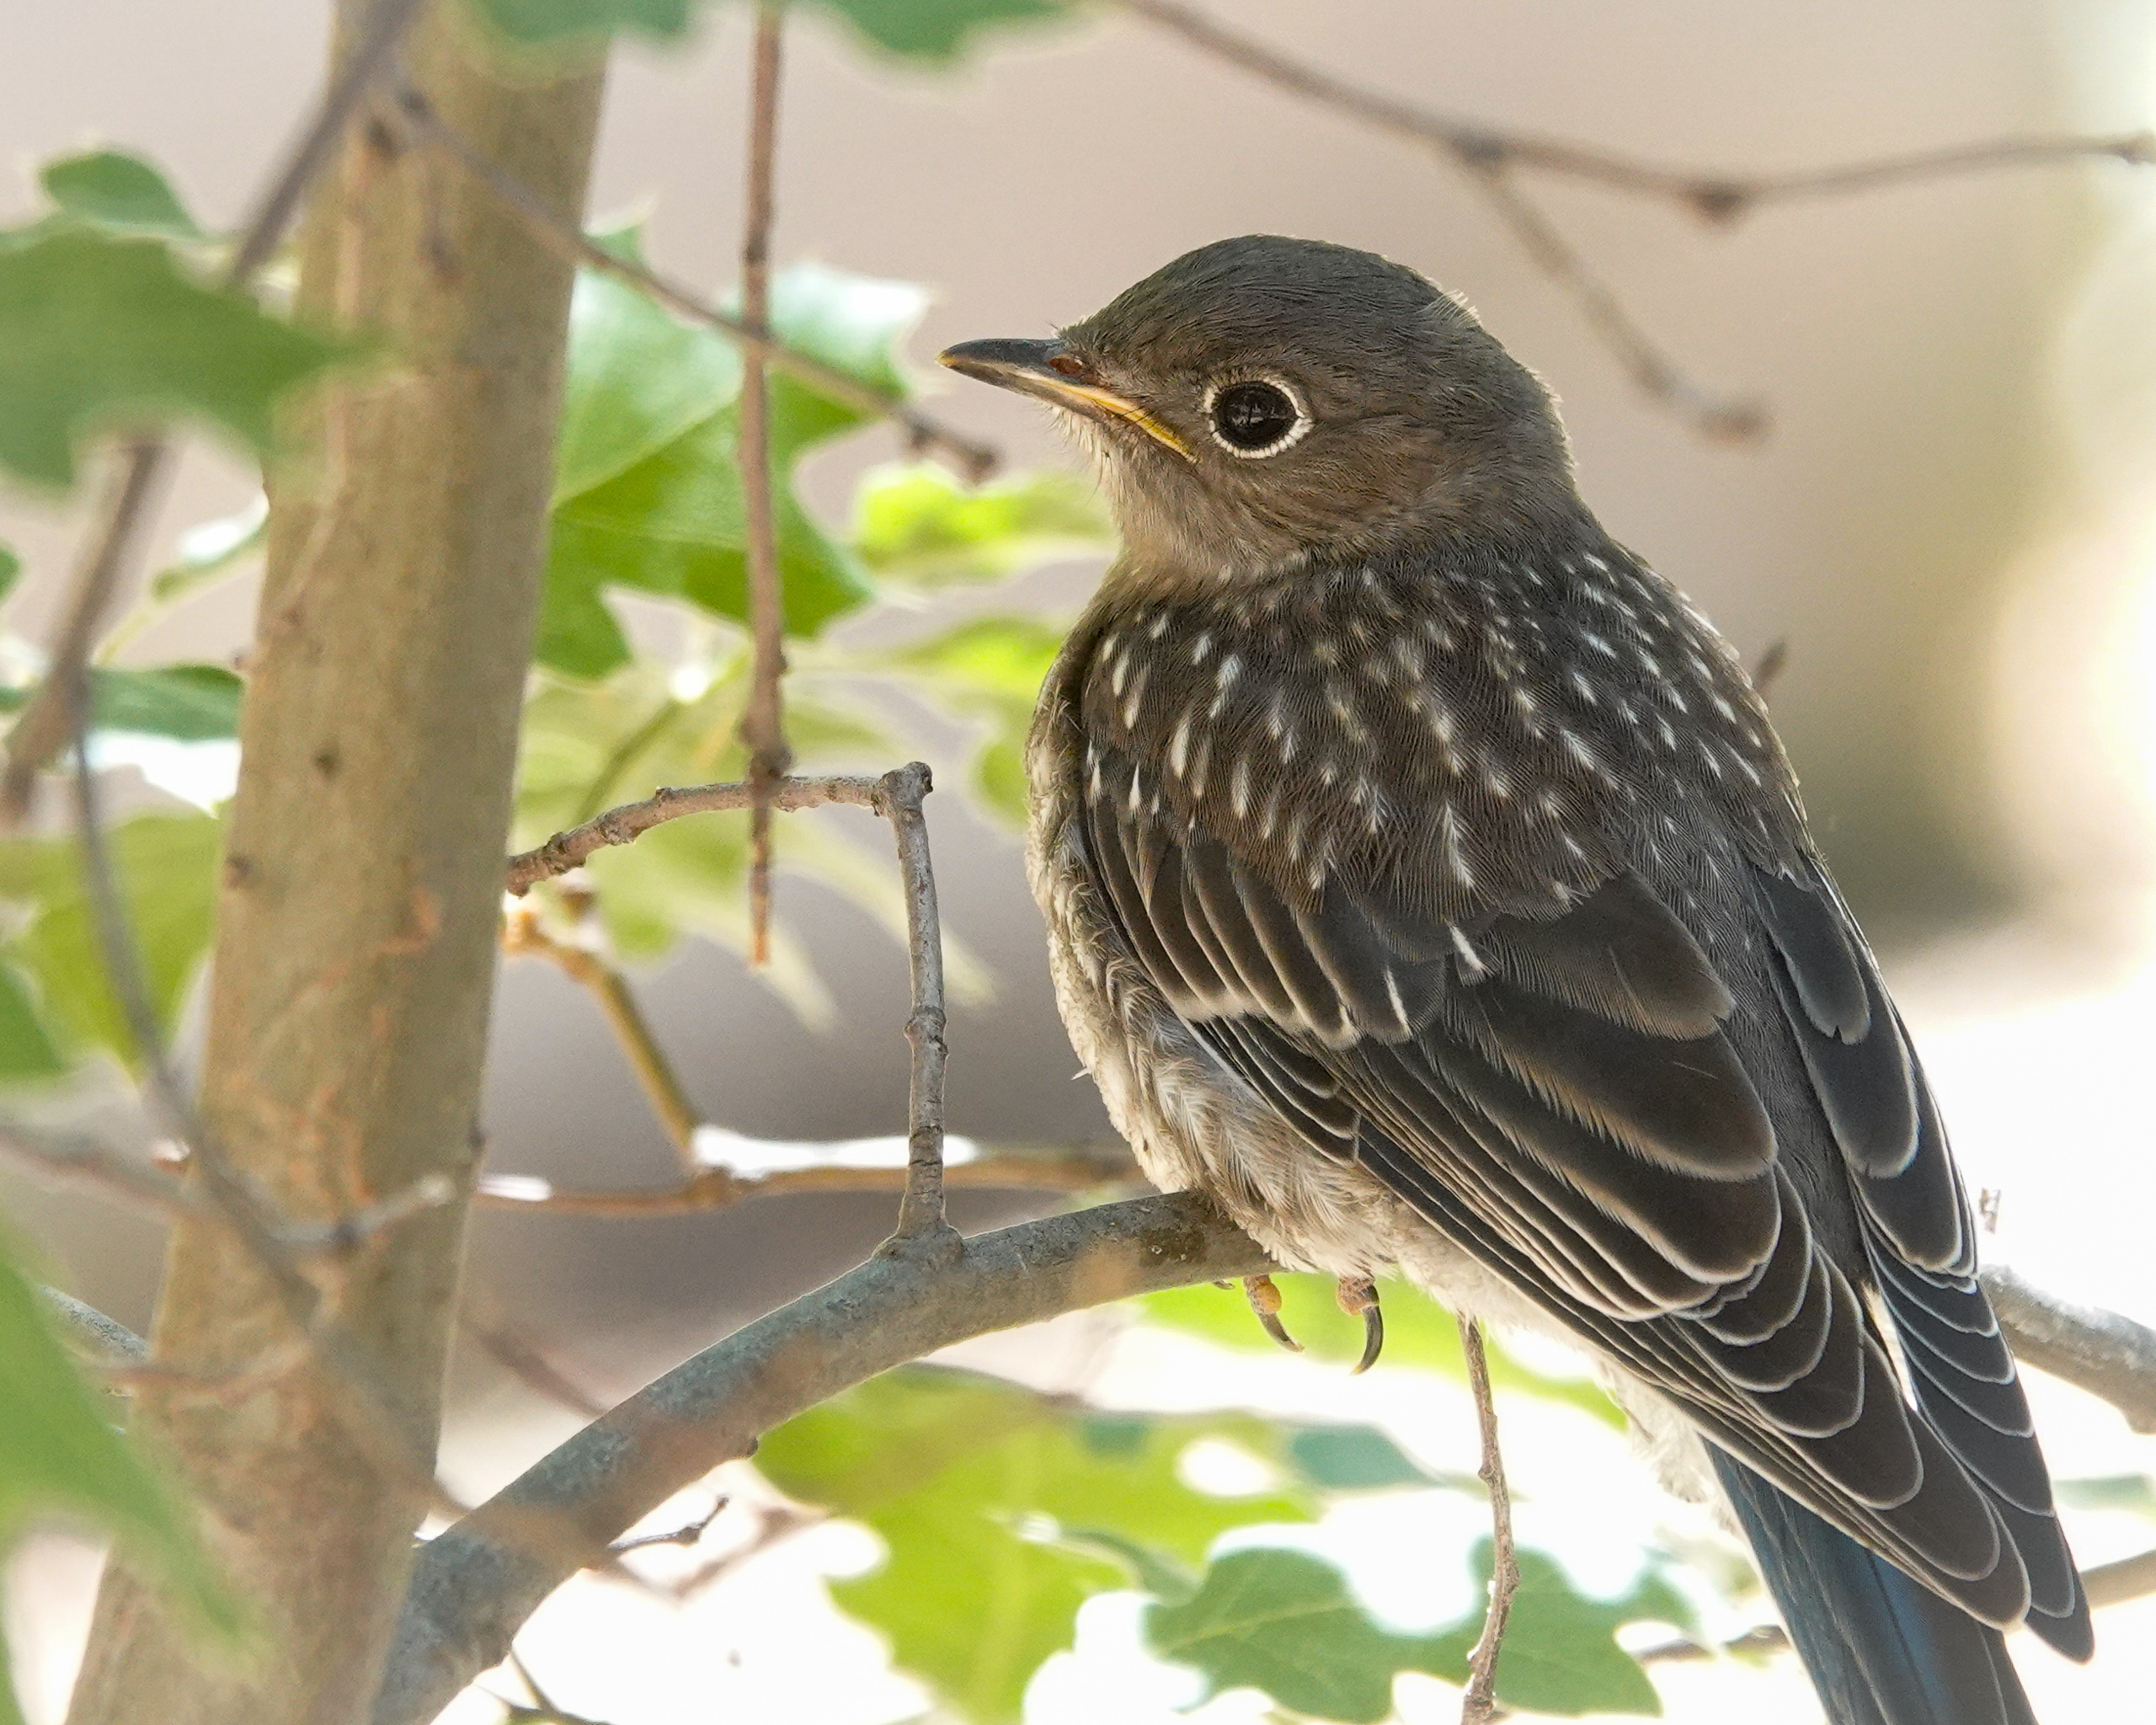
x=1047, y=369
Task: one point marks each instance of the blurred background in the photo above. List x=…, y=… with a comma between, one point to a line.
x=1950, y=524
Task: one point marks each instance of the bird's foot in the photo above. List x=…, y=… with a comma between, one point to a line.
x=1359, y=1298
x=1265, y=1301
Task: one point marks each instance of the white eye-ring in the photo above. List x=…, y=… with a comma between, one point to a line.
x=1255, y=417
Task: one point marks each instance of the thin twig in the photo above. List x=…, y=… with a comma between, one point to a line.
x=1716, y=197
x=524, y=935
x=720, y=1188
x=620, y=825
x=90, y=1333
x=685, y=1537
x=974, y=460
x=89, y=1163
x=2107, y=1355
x=524, y=1360
x=763, y=721
x=1478, y=1706
x=920, y=1208
x=1653, y=371
x=48, y=720
x=1485, y=154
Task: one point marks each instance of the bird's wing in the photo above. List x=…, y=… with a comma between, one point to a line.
x=1565, y=1099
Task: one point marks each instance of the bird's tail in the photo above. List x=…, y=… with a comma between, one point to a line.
x=1881, y=1648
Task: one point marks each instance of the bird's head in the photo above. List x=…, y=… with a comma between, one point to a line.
x=1263, y=397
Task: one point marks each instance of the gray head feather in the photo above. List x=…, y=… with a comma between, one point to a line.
x=1416, y=418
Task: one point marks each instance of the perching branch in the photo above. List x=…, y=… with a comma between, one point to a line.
x=976, y=459
x=1486, y=154
x=1478, y=1704
x=472, y=1588
x=2108, y=1356
x=763, y=726
x=47, y=721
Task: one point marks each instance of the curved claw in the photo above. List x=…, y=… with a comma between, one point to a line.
x=1359, y=1298
x=1265, y=1301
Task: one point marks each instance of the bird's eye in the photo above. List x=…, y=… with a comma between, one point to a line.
x=1258, y=417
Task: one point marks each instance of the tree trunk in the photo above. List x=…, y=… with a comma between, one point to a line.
x=362, y=886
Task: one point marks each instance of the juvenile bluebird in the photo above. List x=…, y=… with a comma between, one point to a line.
x=1425, y=884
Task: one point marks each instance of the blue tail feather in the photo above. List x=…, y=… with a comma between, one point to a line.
x=1881, y=1648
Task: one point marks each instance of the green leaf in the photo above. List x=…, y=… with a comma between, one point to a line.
x=669, y=522
x=114, y=189
x=937, y=30
x=189, y=703
x=930, y=30
x=167, y=865
x=915, y=526
x=976, y=1488
x=96, y=329
x=11, y=566
x=989, y=668
x=2132, y=1492
x=637, y=378
x=1285, y=1622
x=26, y=1049
x=1353, y=1458
x=1417, y=1331
x=1561, y=1654
x=211, y=548
x=59, y=1455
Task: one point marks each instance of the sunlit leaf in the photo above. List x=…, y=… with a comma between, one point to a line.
x=116, y=189
x=60, y=1457
x=1285, y=1622
x=167, y=866
x=917, y=527
x=1353, y=1458
x=1417, y=1331
x=1561, y=1654
x=11, y=567
x=637, y=378
x=96, y=330
x=2132, y=1492
x=972, y=1486
x=668, y=520
x=189, y=703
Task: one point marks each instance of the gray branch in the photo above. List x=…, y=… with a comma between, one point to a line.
x=2107, y=1355
x=474, y=1587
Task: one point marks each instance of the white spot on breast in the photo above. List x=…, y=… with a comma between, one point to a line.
x=1586, y=688
x=1600, y=645
x=1179, y=747
x=1594, y=562
x=1239, y=788
x=1202, y=646
x=1135, y=701
x=1158, y=627
x=1450, y=844
x=1468, y=956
